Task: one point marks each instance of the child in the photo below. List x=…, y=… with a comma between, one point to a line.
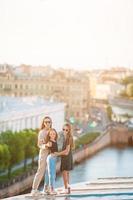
x=51, y=161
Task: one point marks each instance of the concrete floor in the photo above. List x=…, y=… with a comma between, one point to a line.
x=108, y=188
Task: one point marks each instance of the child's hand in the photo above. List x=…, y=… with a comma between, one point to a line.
x=42, y=141
x=49, y=144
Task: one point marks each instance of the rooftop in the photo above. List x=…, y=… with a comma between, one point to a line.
x=108, y=188
x=9, y=106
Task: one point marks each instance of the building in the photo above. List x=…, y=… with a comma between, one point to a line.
x=122, y=108
x=18, y=113
x=71, y=88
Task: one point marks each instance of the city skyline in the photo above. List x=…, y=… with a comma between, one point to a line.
x=70, y=34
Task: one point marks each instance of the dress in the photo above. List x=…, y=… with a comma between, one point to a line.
x=66, y=160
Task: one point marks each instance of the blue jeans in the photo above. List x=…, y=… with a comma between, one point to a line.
x=50, y=174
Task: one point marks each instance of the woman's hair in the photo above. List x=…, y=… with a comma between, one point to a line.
x=48, y=137
x=43, y=125
x=69, y=135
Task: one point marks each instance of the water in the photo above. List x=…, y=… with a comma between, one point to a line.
x=110, y=162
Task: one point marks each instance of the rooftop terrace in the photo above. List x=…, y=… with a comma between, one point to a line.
x=108, y=188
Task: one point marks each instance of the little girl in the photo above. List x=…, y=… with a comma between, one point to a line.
x=51, y=161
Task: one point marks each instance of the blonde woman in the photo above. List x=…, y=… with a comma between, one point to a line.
x=66, y=156
x=43, y=153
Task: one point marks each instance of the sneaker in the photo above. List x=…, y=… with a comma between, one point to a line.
x=35, y=192
x=53, y=192
x=46, y=188
x=43, y=192
x=64, y=191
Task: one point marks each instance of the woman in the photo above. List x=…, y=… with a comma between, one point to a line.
x=51, y=161
x=66, y=156
x=43, y=153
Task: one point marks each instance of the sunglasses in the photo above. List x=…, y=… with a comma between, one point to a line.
x=47, y=122
x=65, y=130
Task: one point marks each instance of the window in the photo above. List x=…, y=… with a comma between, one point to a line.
x=21, y=86
x=26, y=86
x=16, y=86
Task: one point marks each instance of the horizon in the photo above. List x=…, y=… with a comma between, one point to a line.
x=94, y=35
x=70, y=68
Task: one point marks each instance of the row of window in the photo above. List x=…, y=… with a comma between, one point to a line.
x=2, y=67
x=41, y=87
x=16, y=86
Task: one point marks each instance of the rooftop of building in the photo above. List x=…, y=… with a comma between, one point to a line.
x=103, y=188
x=10, y=106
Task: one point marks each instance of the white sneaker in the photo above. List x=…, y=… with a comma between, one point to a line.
x=64, y=191
x=53, y=192
x=35, y=192
x=43, y=192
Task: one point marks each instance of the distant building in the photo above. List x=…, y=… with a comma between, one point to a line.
x=115, y=74
x=122, y=108
x=18, y=113
x=70, y=87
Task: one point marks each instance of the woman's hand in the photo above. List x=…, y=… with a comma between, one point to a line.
x=56, y=153
x=66, y=153
x=53, y=155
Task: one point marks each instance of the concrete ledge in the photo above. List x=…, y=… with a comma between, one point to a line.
x=118, y=188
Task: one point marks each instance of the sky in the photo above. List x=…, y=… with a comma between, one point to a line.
x=80, y=34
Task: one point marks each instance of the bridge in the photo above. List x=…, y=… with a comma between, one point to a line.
x=120, y=102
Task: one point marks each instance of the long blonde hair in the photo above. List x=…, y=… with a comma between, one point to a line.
x=48, y=137
x=43, y=125
x=69, y=135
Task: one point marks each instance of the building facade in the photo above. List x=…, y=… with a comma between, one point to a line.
x=72, y=89
x=27, y=113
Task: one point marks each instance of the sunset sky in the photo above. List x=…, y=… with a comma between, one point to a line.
x=67, y=33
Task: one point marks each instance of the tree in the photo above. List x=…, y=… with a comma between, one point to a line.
x=127, y=80
x=4, y=156
x=129, y=90
x=109, y=112
x=15, y=146
x=30, y=147
x=123, y=93
x=1, y=157
x=34, y=148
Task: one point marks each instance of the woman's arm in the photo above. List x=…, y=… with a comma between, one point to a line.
x=64, y=152
x=40, y=142
x=45, y=145
x=40, y=139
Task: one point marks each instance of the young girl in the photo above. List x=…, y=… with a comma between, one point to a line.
x=43, y=153
x=51, y=161
x=66, y=156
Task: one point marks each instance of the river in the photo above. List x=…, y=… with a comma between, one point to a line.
x=110, y=162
